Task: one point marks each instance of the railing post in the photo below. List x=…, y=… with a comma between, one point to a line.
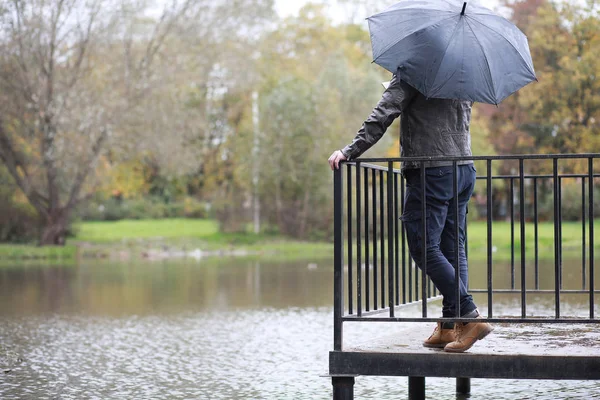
x=489, y=238
x=583, y=230
x=405, y=287
x=367, y=241
x=457, y=236
x=338, y=279
x=425, y=237
x=390, y=214
x=536, y=233
x=382, y=237
x=522, y=226
x=358, y=242
x=349, y=235
x=591, y=232
x=374, y=202
x=556, y=239
x=512, y=233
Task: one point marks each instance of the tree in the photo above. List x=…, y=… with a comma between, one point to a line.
x=317, y=87
x=60, y=101
x=77, y=75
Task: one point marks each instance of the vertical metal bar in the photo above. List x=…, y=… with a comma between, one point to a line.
x=338, y=261
x=556, y=241
x=457, y=236
x=536, y=233
x=396, y=239
x=367, y=242
x=428, y=288
x=591, y=233
x=350, y=244
x=425, y=239
x=390, y=224
x=512, y=233
x=489, y=238
x=402, y=194
x=583, y=243
x=522, y=222
x=416, y=276
x=467, y=234
x=374, y=199
x=358, y=241
x=382, y=236
x=560, y=229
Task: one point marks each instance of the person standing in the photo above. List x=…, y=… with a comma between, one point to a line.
x=431, y=127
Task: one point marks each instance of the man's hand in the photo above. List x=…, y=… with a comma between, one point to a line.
x=334, y=160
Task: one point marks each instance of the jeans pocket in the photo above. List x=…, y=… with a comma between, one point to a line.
x=413, y=224
x=438, y=171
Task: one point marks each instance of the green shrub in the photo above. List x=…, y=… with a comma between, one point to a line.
x=571, y=202
x=142, y=208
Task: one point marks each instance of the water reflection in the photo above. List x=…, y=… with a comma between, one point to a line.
x=226, y=329
x=112, y=289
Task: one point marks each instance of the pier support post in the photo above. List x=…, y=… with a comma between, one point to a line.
x=343, y=388
x=416, y=388
x=463, y=386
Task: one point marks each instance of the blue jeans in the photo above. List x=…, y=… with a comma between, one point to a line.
x=441, y=230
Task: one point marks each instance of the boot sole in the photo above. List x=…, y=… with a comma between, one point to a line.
x=482, y=335
x=436, y=346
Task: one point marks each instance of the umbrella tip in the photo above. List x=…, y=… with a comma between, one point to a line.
x=464, y=8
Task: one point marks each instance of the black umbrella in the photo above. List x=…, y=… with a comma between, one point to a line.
x=452, y=50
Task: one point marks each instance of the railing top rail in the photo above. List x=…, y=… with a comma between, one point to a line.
x=477, y=158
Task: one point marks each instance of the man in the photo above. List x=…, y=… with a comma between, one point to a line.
x=431, y=127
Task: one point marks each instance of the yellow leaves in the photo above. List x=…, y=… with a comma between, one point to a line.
x=20, y=201
x=127, y=179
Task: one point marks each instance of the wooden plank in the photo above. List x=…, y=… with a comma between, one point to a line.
x=512, y=351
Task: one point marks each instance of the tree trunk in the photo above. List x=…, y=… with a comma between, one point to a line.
x=55, y=230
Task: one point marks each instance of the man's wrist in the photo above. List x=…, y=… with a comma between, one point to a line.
x=346, y=154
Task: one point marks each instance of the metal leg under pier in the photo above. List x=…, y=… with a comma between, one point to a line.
x=463, y=386
x=416, y=388
x=343, y=388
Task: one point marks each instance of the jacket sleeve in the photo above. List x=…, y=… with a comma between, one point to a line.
x=394, y=100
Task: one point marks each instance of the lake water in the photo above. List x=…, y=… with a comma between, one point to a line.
x=220, y=329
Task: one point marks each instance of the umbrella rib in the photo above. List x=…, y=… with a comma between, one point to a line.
x=395, y=42
x=486, y=60
x=442, y=60
x=505, y=38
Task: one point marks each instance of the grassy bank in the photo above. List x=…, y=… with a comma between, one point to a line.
x=127, y=230
x=154, y=238
x=501, y=240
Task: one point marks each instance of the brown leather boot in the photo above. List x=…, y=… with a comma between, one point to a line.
x=467, y=335
x=440, y=337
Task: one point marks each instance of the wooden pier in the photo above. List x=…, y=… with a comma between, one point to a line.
x=375, y=279
x=512, y=351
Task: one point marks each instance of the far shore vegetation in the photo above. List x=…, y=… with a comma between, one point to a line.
x=198, y=238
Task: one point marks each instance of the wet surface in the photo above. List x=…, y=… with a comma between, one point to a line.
x=242, y=330
x=581, y=340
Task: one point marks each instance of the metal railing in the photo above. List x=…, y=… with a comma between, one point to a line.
x=375, y=276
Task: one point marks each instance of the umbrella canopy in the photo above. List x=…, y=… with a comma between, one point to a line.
x=452, y=50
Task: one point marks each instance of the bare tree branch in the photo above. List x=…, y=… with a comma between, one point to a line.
x=86, y=169
x=14, y=163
